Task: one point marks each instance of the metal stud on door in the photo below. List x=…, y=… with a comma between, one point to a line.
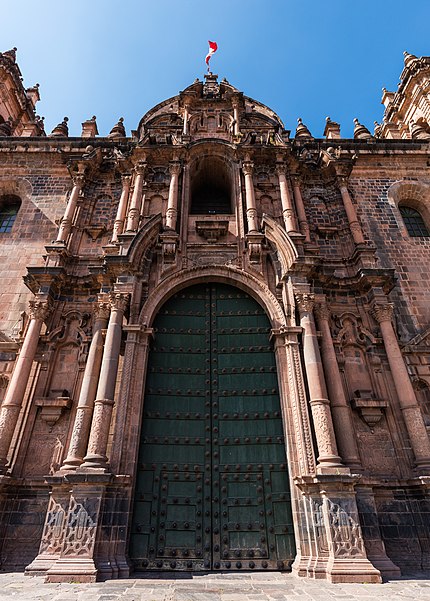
x=212, y=484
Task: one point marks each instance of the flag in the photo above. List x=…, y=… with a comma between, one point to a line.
x=213, y=47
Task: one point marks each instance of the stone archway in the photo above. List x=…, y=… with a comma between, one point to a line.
x=212, y=489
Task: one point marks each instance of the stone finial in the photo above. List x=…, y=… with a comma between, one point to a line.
x=408, y=58
x=6, y=128
x=61, y=130
x=302, y=131
x=331, y=130
x=360, y=131
x=418, y=132
x=377, y=132
x=11, y=54
x=118, y=130
x=89, y=128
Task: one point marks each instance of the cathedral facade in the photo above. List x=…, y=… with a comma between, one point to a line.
x=215, y=339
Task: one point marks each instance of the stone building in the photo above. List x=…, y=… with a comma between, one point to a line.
x=215, y=339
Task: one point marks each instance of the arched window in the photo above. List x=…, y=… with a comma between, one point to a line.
x=9, y=207
x=414, y=222
x=210, y=188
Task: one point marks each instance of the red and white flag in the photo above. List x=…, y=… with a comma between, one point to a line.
x=213, y=47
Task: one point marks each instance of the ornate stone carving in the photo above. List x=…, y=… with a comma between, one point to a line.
x=118, y=301
x=322, y=311
x=345, y=532
x=175, y=168
x=81, y=527
x=53, y=531
x=101, y=310
x=40, y=309
x=305, y=301
x=248, y=168
x=323, y=427
x=382, y=312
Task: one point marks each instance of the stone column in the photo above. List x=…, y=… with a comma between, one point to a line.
x=235, y=104
x=11, y=406
x=341, y=412
x=351, y=213
x=96, y=453
x=300, y=208
x=287, y=203
x=67, y=220
x=412, y=415
x=84, y=410
x=172, y=203
x=136, y=199
x=251, y=211
x=185, y=130
x=122, y=206
x=320, y=404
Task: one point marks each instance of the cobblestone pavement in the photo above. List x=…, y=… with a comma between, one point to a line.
x=212, y=587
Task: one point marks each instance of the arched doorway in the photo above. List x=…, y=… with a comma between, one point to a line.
x=212, y=489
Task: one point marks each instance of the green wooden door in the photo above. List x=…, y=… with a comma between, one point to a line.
x=212, y=487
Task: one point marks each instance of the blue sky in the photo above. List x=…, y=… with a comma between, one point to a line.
x=303, y=58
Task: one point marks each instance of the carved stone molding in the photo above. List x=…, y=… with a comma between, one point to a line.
x=52, y=409
x=212, y=231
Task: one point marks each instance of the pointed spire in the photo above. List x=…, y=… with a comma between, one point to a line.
x=302, y=131
x=418, y=132
x=11, y=54
x=118, y=130
x=61, y=129
x=360, y=131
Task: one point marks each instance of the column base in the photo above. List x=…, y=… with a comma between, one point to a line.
x=72, y=570
x=40, y=565
x=352, y=570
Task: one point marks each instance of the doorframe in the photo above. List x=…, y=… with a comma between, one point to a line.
x=292, y=396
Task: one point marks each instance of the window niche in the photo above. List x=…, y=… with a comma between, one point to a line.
x=9, y=207
x=211, y=189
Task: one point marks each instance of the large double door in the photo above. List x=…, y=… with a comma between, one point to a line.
x=212, y=490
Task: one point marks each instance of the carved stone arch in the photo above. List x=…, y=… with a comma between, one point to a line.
x=145, y=239
x=212, y=178
x=412, y=194
x=18, y=186
x=227, y=275
x=287, y=252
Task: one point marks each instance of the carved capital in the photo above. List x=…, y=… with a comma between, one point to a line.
x=118, y=301
x=382, y=312
x=40, y=309
x=78, y=180
x=126, y=180
x=342, y=181
x=322, y=311
x=175, y=168
x=140, y=168
x=101, y=310
x=305, y=301
x=280, y=169
x=248, y=168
